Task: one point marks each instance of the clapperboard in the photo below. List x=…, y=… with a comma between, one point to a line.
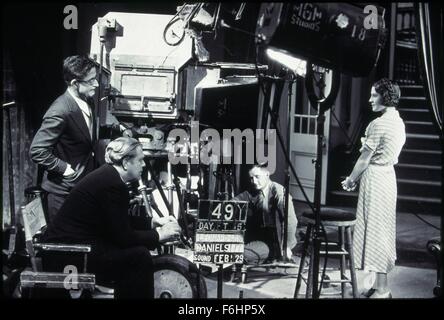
x=220, y=232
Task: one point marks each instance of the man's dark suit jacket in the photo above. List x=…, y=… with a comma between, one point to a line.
x=96, y=212
x=64, y=138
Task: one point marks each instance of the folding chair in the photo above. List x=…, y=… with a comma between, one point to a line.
x=33, y=219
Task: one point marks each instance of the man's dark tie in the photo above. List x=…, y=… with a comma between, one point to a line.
x=93, y=123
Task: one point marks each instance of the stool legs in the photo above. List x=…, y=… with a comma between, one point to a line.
x=342, y=261
x=244, y=273
x=345, y=244
x=352, y=261
x=302, y=263
x=233, y=273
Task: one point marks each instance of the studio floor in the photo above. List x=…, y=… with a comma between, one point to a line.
x=414, y=275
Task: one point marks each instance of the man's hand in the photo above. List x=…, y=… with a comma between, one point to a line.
x=127, y=133
x=159, y=222
x=169, y=231
x=68, y=171
x=289, y=254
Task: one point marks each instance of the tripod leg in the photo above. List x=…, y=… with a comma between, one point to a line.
x=302, y=263
x=316, y=260
x=159, y=187
x=310, y=273
x=233, y=273
x=244, y=270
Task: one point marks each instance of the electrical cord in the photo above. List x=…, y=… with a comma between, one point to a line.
x=425, y=221
x=341, y=126
x=215, y=20
x=169, y=24
x=169, y=54
x=172, y=21
x=193, y=12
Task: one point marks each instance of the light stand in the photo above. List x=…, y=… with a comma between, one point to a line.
x=317, y=202
x=323, y=104
x=102, y=37
x=287, y=172
x=287, y=157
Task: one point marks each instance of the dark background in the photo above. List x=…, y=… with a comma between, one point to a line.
x=35, y=43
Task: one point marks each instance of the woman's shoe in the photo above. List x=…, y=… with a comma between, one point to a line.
x=385, y=295
x=368, y=293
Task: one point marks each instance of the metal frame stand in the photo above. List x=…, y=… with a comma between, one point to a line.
x=13, y=227
x=323, y=104
x=317, y=203
x=220, y=280
x=287, y=172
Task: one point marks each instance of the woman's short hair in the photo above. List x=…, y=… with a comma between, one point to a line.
x=76, y=67
x=121, y=148
x=389, y=90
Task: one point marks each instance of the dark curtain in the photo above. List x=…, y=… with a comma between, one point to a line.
x=429, y=30
x=21, y=169
x=33, y=45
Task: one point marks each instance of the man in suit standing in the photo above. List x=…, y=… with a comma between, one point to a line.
x=65, y=144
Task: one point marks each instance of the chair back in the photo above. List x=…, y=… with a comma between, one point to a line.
x=33, y=220
x=32, y=217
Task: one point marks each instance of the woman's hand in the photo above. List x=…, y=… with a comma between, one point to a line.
x=348, y=184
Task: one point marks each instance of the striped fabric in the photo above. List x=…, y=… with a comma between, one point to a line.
x=374, y=241
x=385, y=136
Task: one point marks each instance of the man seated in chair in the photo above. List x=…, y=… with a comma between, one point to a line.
x=265, y=219
x=96, y=213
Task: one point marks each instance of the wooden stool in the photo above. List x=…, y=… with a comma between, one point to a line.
x=434, y=247
x=344, y=221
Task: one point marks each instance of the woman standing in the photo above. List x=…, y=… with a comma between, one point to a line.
x=375, y=230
